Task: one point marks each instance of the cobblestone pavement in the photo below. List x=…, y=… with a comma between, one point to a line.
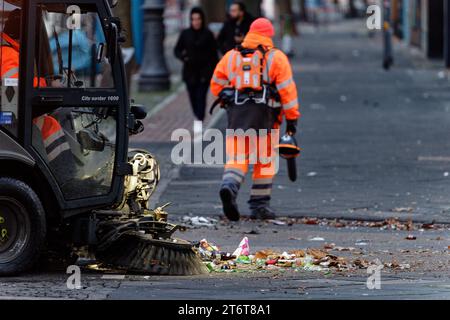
x=425, y=278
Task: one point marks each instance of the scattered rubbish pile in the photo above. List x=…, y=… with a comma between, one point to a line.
x=242, y=260
x=388, y=224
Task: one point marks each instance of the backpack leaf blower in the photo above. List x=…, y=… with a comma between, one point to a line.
x=288, y=149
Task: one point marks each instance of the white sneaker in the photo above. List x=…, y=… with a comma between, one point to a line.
x=198, y=130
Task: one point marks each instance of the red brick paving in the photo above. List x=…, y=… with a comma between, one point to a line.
x=176, y=115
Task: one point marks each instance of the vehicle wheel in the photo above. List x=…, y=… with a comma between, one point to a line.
x=22, y=227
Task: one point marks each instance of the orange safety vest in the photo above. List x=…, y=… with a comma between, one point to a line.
x=53, y=135
x=277, y=71
x=10, y=54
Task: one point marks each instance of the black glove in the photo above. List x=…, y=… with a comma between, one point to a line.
x=291, y=127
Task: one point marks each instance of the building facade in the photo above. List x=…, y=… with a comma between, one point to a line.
x=421, y=24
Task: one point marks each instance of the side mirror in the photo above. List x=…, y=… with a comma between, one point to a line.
x=113, y=42
x=90, y=141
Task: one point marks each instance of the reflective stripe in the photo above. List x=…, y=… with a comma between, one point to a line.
x=238, y=60
x=220, y=81
x=266, y=160
x=256, y=60
x=39, y=122
x=258, y=182
x=290, y=105
x=261, y=192
x=11, y=72
x=269, y=66
x=236, y=171
x=238, y=82
x=285, y=84
x=55, y=136
x=231, y=75
x=233, y=176
x=58, y=151
x=255, y=81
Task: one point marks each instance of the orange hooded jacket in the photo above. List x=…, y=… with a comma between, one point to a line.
x=10, y=58
x=277, y=71
x=10, y=54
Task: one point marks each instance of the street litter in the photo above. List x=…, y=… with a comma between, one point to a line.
x=242, y=260
x=200, y=221
x=317, y=239
x=403, y=210
x=361, y=243
x=277, y=222
x=209, y=251
x=388, y=224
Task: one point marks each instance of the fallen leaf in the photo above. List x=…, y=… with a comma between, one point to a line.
x=264, y=254
x=317, y=254
x=298, y=253
x=361, y=263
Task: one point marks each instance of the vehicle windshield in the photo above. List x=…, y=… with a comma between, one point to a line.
x=73, y=38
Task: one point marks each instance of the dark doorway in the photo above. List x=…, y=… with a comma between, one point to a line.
x=436, y=29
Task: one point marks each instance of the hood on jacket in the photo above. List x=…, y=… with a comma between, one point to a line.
x=253, y=40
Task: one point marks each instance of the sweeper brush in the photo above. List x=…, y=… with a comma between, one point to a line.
x=140, y=254
x=139, y=240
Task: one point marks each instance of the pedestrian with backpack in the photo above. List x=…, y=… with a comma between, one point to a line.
x=257, y=81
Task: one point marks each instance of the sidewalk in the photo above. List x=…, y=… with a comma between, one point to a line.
x=173, y=113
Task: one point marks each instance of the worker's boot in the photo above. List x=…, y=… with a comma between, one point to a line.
x=232, y=180
x=230, y=208
x=260, y=198
x=264, y=213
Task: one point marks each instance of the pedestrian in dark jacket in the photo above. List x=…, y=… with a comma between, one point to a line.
x=197, y=49
x=236, y=28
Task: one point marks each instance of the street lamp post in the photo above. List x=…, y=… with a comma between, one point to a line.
x=155, y=75
x=388, y=58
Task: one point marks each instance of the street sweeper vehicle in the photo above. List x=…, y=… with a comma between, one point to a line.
x=68, y=183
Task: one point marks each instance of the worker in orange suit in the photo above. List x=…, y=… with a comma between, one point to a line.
x=11, y=49
x=53, y=137
x=264, y=93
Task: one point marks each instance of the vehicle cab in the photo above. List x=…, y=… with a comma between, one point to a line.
x=64, y=119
